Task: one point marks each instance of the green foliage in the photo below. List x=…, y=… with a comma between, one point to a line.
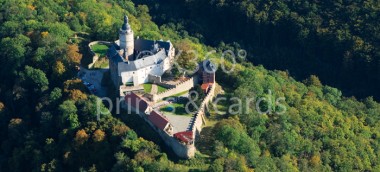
x=318, y=122
x=147, y=87
x=39, y=124
x=60, y=30
x=55, y=94
x=91, y=109
x=10, y=28
x=188, y=54
x=337, y=41
x=234, y=137
x=34, y=79
x=69, y=117
x=13, y=52
x=100, y=49
x=44, y=126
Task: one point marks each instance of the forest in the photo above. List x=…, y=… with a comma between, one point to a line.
x=336, y=40
x=48, y=119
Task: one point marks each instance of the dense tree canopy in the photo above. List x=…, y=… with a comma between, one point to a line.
x=50, y=122
x=336, y=40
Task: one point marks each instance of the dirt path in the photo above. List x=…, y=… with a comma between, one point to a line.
x=154, y=89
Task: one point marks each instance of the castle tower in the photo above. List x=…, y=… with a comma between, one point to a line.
x=126, y=38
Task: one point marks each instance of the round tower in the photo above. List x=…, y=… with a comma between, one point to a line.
x=126, y=38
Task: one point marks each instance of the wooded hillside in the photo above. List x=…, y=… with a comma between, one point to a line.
x=48, y=119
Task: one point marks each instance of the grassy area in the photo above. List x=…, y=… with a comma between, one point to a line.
x=176, y=109
x=147, y=87
x=161, y=89
x=102, y=62
x=100, y=49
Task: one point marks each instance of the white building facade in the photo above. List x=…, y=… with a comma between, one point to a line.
x=133, y=60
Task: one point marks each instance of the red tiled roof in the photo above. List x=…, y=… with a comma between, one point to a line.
x=205, y=86
x=158, y=120
x=184, y=136
x=136, y=101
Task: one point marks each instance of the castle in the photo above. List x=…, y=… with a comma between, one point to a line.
x=135, y=62
x=131, y=60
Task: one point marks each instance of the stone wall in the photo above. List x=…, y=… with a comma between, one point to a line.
x=169, y=86
x=199, y=117
x=178, y=88
x=94, y=56
x=124, y=89
x=181, y=150
x=157, y=80
x=154, y=79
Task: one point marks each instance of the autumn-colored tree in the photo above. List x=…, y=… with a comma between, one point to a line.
x=120, y=130
x=313, y=80
x=81, y=137
x=73, y=84
x=16, y=129
x=13, y=123
x=44, y=34
x=315, y=160
x=2, y=106
x=76, y=95
x=73, y=54
x=99, y=135
x=321, y=130
x=59, y=68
